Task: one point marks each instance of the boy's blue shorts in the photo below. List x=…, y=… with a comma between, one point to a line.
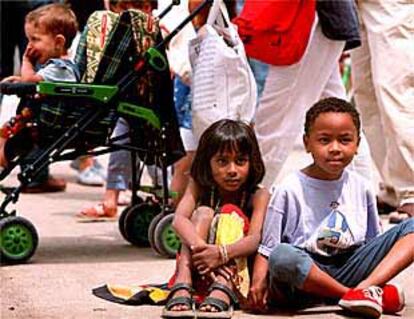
x=289, y=266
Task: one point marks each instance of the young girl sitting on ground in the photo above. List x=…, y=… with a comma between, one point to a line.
x=219, y=220
x=321, y=233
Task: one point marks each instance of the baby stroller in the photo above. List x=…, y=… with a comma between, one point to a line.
x=131, y=79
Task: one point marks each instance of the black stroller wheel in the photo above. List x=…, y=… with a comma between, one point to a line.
x=137, y=221
x=151, y=232
x=166, y=240
x=121, y=219
x=18, y=240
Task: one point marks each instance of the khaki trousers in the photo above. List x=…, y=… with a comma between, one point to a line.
x=383, y=79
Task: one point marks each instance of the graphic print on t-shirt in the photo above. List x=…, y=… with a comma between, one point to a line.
x=332, y=236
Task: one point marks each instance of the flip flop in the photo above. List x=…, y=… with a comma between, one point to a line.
x=94, y=214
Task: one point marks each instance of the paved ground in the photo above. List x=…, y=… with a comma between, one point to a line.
x=73, y=258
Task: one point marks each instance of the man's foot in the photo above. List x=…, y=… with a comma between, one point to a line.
x=393, y=299
x=367, y=302
x=402, y=213
x=51, y=185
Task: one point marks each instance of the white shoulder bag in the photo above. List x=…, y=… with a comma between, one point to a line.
x=223, y=85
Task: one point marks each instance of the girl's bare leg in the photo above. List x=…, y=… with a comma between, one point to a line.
x=201, y=219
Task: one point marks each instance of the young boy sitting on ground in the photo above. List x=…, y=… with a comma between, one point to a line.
x=50, y=30
x=322, y=233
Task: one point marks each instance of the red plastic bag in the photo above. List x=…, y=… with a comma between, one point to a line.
x=276, y=31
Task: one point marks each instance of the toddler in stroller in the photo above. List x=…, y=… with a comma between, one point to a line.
x=124, y=74
x=50, y=30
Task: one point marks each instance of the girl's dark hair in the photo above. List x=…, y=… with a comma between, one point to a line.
x=227, y=135
x=331, y=104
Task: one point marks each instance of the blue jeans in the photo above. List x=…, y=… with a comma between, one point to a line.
x=289, y=266
x=119, y=166
x=182, y=102
x=260, y=70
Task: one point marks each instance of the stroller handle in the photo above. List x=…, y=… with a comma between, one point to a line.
x=19, y=89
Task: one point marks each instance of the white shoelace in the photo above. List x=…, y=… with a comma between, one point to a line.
x=374, y=293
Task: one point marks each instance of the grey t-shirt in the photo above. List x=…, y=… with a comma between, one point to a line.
x=323, y=217
x=58, y=70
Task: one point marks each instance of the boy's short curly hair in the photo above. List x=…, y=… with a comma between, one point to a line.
x=227, y=135
x=57, y=19
x=331, y=104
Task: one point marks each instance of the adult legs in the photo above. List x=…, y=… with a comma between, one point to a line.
x=289, y=91
x=384, y=92
x=118, y=177
x=119, y=171
x=362, y=161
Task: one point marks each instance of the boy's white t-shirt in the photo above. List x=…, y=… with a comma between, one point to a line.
x=323, y=217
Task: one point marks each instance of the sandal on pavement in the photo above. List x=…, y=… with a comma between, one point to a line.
x=95, y=214
x=179, y=300
x=225, y=310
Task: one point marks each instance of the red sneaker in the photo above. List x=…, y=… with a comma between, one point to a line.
x=367, y=302
x=393, y=299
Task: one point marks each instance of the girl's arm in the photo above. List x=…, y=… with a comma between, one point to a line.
x=182, y=218
x=207, y=258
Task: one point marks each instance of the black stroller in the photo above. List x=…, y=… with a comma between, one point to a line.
x=73, y=119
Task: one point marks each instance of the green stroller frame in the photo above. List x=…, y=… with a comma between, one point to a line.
x=145, y=221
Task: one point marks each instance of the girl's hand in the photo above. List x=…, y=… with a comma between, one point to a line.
x=205, y=258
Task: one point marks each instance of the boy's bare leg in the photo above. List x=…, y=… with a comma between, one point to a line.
x=201, y=220
x=398, y=258
x=321, y=284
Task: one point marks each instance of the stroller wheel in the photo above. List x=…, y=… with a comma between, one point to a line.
x=121, y=219
x=166, y=240
x=18, y=240
x=151, y=232
x=137, y=221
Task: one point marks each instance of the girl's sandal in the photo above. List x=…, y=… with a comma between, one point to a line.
x=179, y=300
x=225, y=310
